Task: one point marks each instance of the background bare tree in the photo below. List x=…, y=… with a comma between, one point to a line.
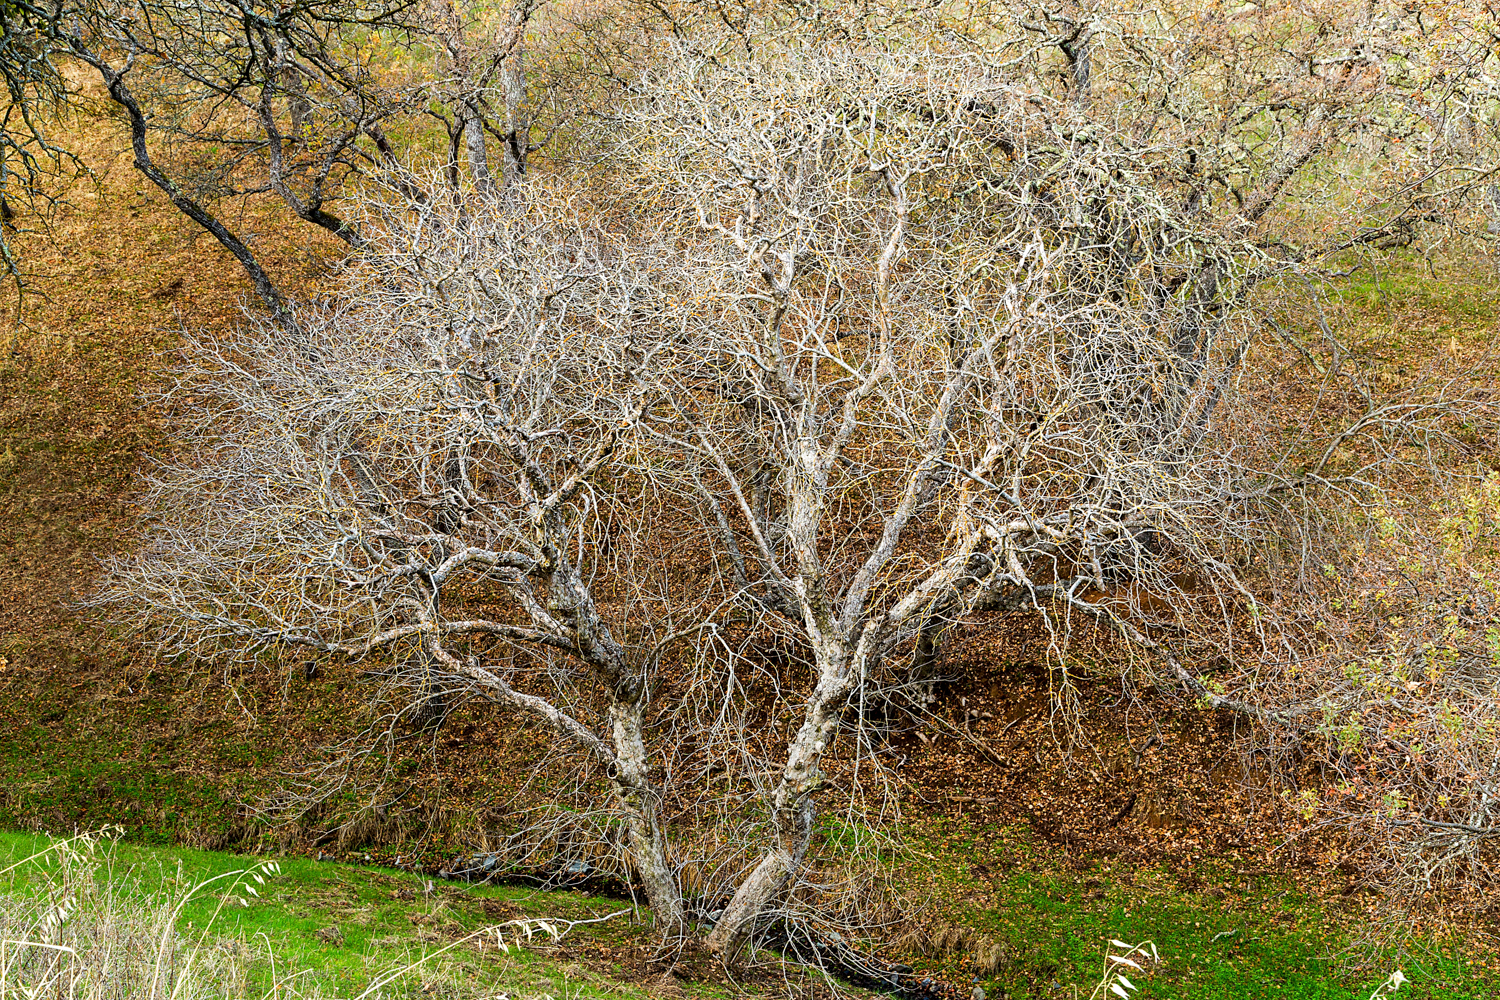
x=484, y=70
x=29, y=152
x=235, y=99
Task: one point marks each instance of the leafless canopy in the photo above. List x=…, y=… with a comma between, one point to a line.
x=438, y=435
x=900, y=326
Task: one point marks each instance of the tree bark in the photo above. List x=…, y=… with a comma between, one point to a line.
x=570, y=599
x=648, y=845
x=792, y=808
x=513, y=83
x=469, y=126
x=311, y=208
x=1079, y=50
x=474, y=149
x=120, y=93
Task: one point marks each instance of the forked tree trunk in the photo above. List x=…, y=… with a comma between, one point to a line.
x=513, y=83
x=1079, y=50
x=469, y=127
x=793, y=811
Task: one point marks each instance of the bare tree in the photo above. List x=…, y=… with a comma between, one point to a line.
x=29, y=153
x=906, y=391
x=241, y=98
x=439, y=434
x=949, y=344
x=480, y=72
x=903, y=332
x=432, y=479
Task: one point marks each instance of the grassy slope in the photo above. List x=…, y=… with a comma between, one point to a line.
x=1224, y=929
x=386, y=919
x=1053, y=926
x=87, y=728
x=90, y=732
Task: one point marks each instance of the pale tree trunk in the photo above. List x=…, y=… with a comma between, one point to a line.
x=629, y=766
x=843, y=641
x=289, y=79
x=512, y=70
x=470, y=125
x=474, y=148
x=638, y=798
x=793, y=812
x=626, y=762
x=1301, y=146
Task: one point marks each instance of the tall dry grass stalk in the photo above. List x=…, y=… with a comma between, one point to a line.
x=70, y=929
x=74, y=926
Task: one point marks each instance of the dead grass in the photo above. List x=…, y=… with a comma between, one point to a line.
x=111, y=280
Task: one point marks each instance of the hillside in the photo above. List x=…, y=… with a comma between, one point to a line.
x=1153, y=832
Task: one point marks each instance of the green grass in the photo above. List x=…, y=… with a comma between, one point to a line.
x=1458, y=290
x=1226, y=930
x=92, y=732
x=90, y=777
x=153, y=802
x=1407, y=302
x=1259, y=938
x=386, y=920
x=168, y=756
